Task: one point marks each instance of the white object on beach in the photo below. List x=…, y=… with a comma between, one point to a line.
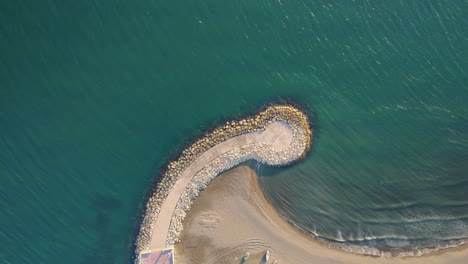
x=267, y=255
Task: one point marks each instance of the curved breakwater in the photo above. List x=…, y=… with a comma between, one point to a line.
x=277, y=136
x=256, y=136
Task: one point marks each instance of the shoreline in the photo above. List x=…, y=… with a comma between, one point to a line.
x=247, y=138
x=233, y=216
x=345, y=246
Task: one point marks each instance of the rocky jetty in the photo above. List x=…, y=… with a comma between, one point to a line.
x=288, y=115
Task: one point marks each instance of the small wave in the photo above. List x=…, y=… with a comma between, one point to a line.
x=390, y=246
x=339, y=236
x=400, y=248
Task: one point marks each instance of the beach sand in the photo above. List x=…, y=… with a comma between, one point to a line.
x=232, y=216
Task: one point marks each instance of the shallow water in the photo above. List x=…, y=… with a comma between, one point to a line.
x=96, y=96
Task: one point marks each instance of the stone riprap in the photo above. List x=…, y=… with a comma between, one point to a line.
x=277, y=136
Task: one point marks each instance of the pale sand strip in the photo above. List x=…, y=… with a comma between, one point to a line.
x=232, y=216
x=277, y=135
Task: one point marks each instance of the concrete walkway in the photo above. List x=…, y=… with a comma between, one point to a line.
x=278, y=135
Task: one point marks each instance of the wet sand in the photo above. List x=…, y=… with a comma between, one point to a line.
x=232, y=216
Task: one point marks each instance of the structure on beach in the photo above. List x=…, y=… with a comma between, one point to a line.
x=157, y=256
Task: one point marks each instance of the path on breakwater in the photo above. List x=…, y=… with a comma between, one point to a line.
x=277, y=135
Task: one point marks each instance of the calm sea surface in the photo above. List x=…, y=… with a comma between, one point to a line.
x=95, y=96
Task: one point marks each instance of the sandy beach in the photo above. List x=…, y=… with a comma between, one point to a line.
x=232, y=216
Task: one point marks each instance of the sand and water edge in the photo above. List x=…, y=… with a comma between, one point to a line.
x=279, y=135
x=232, y=216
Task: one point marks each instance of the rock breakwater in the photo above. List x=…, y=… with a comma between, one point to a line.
x=284, y=121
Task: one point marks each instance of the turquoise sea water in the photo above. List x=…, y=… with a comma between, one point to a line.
x=95, y=96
